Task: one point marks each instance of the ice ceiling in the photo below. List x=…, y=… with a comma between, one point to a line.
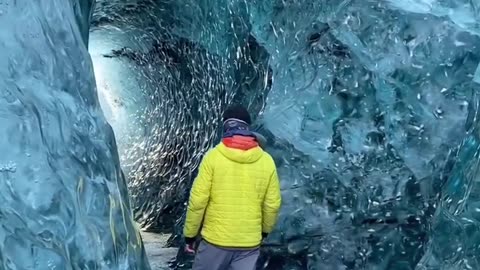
x=369, y=107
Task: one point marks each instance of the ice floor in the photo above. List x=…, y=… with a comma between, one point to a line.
x=158, y=255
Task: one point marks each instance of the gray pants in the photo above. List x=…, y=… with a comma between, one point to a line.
x=210, y=257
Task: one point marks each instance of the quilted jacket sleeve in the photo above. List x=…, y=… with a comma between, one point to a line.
x=199, y=197
x=271, y=204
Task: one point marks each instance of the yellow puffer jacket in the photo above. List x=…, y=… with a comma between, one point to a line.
x=237, y=196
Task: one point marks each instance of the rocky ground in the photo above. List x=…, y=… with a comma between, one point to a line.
x=158, y=255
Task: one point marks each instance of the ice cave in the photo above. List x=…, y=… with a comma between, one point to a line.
x=370, y=109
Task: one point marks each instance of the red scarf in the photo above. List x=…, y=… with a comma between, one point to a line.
x=240, y=142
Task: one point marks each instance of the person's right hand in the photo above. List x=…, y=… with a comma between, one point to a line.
x=189, y=249
x=190, y=245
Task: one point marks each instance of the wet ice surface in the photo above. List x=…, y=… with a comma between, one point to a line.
x=64, y=200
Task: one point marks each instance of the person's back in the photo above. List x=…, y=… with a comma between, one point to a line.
x=237, y=196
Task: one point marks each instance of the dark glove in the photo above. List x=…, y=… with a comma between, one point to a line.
x=189, y=241
x=264, y=235
x=189, y=245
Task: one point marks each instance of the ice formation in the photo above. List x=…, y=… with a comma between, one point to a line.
x=369, y=107
x=64, y=200
x=181, y=85
x=371, y=114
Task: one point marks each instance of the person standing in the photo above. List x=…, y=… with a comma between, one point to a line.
x=235, y=199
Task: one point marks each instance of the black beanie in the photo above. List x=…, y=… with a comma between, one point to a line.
x=239, y=112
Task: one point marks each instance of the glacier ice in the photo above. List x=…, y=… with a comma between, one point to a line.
x=369, y=108
x=173, y=102
x=64, y=199
x=380, y=111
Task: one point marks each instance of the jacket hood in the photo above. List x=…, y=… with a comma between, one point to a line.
x=241, y=156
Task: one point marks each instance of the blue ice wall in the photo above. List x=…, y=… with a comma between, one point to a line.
x=64, y=201
x=376, y=99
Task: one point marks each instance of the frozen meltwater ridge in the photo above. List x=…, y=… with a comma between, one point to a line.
x=64, y=202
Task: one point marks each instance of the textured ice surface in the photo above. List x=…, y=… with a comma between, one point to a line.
x=380, y=109
x=371, y=117
x=172, y=104
x=64, y=201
